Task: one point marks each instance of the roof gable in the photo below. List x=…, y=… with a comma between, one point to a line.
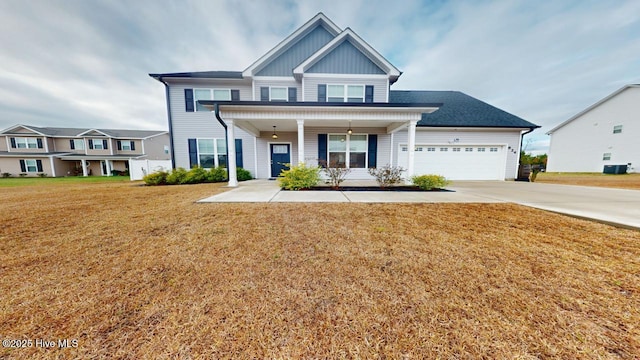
x=615, y=93
x=359, y=45
x=283, y=64
x=345, y=59
x=22, y=129
x=93, y=132
x=309, y=28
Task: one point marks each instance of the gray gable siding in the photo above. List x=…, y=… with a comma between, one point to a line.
x=345, y=59
x=284, y=64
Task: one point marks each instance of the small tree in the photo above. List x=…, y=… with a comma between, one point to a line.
x=335, y=174
x=387, y=175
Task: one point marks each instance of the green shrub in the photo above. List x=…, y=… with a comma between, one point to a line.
x=387, y=175
x=177, y=176
x=243, y=175
x=6, y=175
x=429, y=182
x=156, y=178
x=299, y=177
x=218, y=174
x=42, y=175
x=196, y=175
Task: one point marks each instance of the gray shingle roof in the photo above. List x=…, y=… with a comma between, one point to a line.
x=459, y=110
x=201, y=75
x=74, y=132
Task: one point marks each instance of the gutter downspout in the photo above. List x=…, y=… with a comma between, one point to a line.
x=520, y=150
x=216, y=110
x=166, y=89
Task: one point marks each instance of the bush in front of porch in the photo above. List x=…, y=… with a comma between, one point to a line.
x=299, y=177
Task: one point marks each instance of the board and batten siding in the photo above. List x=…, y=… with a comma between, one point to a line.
x=380, y=85
x=345, y=59
x=202, y=124
x=431, y=136
x=284, y=63
x=285, y=82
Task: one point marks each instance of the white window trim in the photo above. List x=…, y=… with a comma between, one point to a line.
x=347, y=159
x=286, y=93
x=211, y=97
x=345, y=95
x=35, y=165
x=26, y=141
x=216, y=162
x=79, y=142
x=128, y=142
x=98, y=141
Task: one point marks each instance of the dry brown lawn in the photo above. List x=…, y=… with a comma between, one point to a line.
x=625, y=181
x=137, y=272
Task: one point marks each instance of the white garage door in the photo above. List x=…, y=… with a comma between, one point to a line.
x=459, y=162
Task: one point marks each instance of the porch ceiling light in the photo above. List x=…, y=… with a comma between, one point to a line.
x=274, y=136
x=349, y=131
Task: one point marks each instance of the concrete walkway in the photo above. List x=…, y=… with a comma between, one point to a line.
x=615, y=206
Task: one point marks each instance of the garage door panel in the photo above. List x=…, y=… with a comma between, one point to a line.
x=461, y=162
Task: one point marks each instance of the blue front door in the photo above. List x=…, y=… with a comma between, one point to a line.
x=280, y=155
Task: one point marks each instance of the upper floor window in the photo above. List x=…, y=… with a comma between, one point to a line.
x=126, y=145
x=98, y=144
x=278, y=94
x=345, y=93
x=617, y=129
x=26, y=143
x=76, y=144
x=209, y=94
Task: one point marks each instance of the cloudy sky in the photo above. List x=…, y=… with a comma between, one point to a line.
x=85, y=63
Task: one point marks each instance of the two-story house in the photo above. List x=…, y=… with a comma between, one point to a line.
x=322, y=96
x=605, y=133
x=31, y=150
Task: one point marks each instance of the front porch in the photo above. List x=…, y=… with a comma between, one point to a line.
x=93, y=165
x=357, y=136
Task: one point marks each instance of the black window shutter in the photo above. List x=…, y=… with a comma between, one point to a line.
x=239, y=153
x=90, y=144
x=105, y=145
x=293, y=94
x=235, y=95
x=368, y=94
x=322, y=150
x=264, y=93
x=193, y=153
x=39, y=143
x=39, y=165
x=119, y=145
x=188, y=100
x=322, y=93
x=13, y=143
x=72, y=144
x=373, y=150
x=133, y=145
x=23, y=166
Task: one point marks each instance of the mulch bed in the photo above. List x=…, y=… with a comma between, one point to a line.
x=370, y=188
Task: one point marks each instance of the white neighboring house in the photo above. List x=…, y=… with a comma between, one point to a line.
x=606, y=133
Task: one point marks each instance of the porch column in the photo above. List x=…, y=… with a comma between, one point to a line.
x=412, y=149
x=231, y=153
x=85, y=172
x=300, y=141
x=107, y=165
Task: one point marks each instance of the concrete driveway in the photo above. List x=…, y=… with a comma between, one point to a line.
x=615, y=206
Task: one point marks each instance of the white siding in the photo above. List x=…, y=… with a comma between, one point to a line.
x=431, y=136
x=380, y=88
x=579, y=145
x=311, y=148
x=201, y=124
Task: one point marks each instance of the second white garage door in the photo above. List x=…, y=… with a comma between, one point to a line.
x=459, y=162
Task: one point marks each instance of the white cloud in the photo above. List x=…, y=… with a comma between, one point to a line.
x=79, y=63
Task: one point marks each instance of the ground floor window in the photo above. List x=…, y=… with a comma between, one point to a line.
x=348, y=149
x=212, y=153
x=31, y=165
